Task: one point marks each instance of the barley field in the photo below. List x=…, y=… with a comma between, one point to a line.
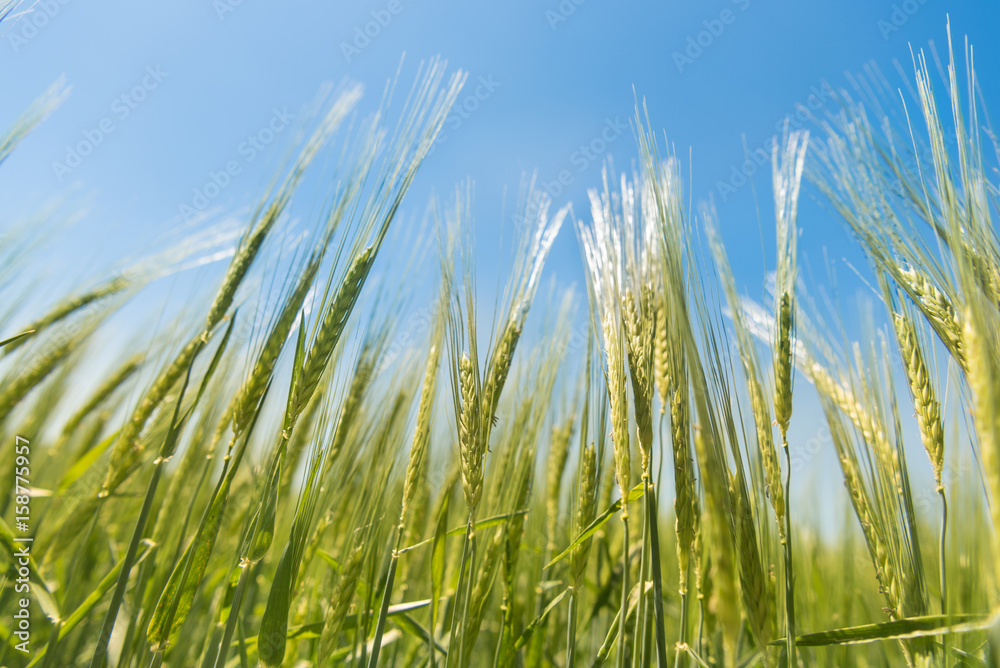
x=283, y=475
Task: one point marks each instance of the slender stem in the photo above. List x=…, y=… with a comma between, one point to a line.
x=654, y=560
x=505, y=619
x=639, y=637
x=789, y=585
x=458, y=591
x=680, y=659
x=386, y=596
x=234, y=615
x=941, y=558
x=101, y=651
x=468, y=595
x=466, y=548
x=624, y=606
x=571, y=629
x=941, y=552
x=701, y=625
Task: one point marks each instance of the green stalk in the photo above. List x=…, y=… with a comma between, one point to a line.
x=386, y=595
x=505, y=619
x=639, y=637
x=101, y=651
x=789, y=586
x=571, y=628
x=166, y=450
x=941, y=553
x=458, y=590
x=468, y=592
x=680, y=659
x=227, y=637
x=654, y=554
x=941, y=558
x=623, y=614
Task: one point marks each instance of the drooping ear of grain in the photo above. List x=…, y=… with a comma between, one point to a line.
x=468, y=434
x=925, y=403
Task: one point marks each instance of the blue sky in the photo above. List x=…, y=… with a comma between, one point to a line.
x=551, y=88
x=551, y=77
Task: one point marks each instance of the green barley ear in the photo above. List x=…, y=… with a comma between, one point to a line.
x=937, y=309
x=752, y=372
x=661, y=352
x=68, y=307
x=128, y=448
x=249, y=394
x=56, y=350
x=421, y=435
x=787, y=175
x=468, y=433
x=586, y=510
x=604, y=256
x=639, y=332
x=925, y=403
x=685, y=493
x=99, y=396
x=558, y=454
x=330, y=329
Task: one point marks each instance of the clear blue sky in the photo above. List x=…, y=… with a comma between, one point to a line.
x=556, y=78
x=551, y=77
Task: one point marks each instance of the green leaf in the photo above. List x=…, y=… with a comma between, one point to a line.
x=175, y=602
x=912, y=627
x=437, y=557
x=16, y=337
x=601, y=520
x=409, y=625
x=274, y=624
x=535, y=623
x=487, y=523
x=312, y=630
